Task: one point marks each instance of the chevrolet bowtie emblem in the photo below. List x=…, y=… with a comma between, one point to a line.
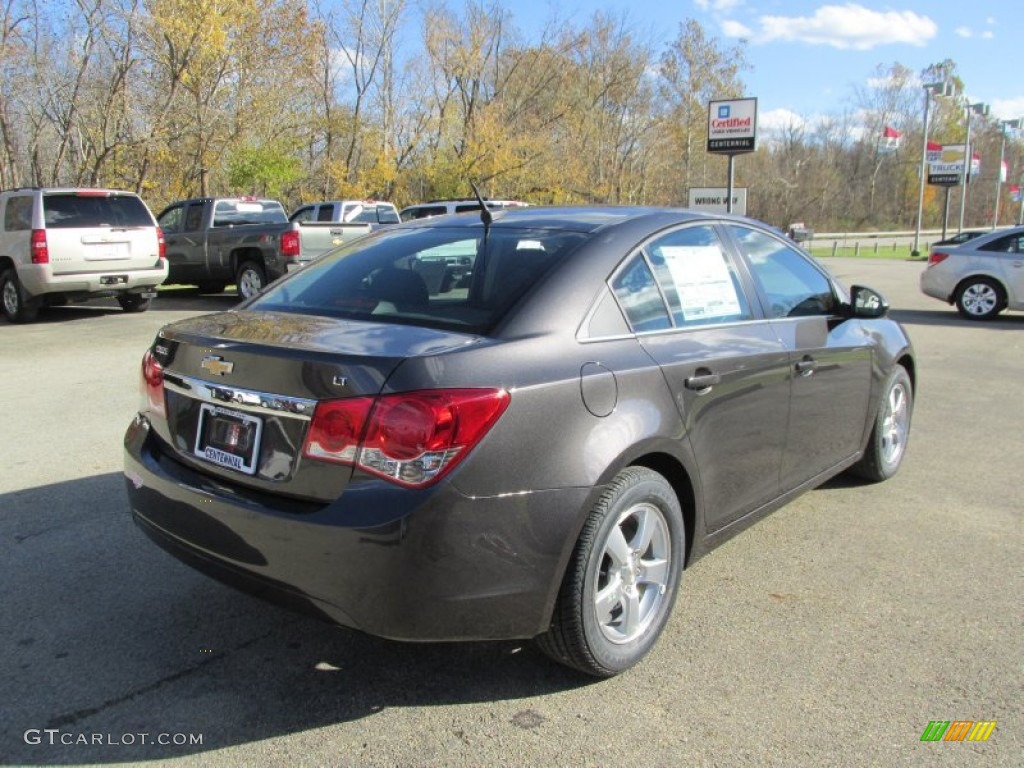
x=218, y=366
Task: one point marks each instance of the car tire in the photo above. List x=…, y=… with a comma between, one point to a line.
x=250, y=279
x=980, y=298
x=888, y=442
x=133, y=302
x=212, y=287
x=12, y=297
x=622, y=579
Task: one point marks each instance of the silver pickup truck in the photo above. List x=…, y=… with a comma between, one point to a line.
x=212, y=242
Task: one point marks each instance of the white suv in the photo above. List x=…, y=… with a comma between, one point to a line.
x=62, y=244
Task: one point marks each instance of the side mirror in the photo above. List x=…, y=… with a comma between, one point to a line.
x=865, y=302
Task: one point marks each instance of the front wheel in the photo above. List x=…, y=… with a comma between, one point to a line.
x=250, y=279
x=16, y=308
x=888, y=442
x=980, y=298
x=622, y=580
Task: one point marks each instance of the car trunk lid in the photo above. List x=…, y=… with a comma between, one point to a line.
x=240, y=389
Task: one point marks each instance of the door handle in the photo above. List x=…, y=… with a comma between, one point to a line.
x=702, y=382
x=806, y=366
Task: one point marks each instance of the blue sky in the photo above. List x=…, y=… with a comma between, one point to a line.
x=809, y=56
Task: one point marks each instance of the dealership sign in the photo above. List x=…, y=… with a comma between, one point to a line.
x=732, y=126
x=946, y=167
x=716, y=200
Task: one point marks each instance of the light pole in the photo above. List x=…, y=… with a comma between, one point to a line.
x=944, y=88
x=972, y=109
x=1004, y=124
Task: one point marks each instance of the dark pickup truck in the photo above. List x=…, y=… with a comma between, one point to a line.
x=212, y=242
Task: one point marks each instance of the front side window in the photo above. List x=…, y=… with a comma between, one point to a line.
x=439, y=277
x=171, y=219
x=790, y=284
x=697, y=277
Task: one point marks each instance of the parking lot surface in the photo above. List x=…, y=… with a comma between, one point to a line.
x=830, y=633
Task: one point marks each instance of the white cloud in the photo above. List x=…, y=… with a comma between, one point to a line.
x=735, y=29
x=988, y=34
x=717, y=6
x=1005, y=109
x=782, y=119
x=964, y=32
x=847, y=27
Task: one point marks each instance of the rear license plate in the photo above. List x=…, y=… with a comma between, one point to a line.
x=113, y=279
x=229, y=438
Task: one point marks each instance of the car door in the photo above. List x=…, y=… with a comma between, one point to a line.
x=1008, y=254
x=185, y=240
x=726, y=368
x=830, y=360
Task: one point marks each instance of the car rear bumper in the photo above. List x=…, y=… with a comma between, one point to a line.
x=937, y=284
x=411, y=565
x=39, y=279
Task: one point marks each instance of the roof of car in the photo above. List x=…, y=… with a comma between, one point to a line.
x=575, y=218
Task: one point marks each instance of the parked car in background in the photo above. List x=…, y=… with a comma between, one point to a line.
x=444, y=207
x=533, y=450
x=69, y=244
x=982, y=276
x=962, y=237
x=372, y=212
x=212, y=242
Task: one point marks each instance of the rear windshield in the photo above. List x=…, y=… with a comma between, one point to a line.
x=438, y=277
x=228, y=213
x=73, y=211
x=372, y=214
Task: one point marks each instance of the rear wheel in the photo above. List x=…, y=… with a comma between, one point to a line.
x=12, y=296
x=133, y=302
x=622, y=579
x=980, y=298
x=888, y=442
x=250, y=279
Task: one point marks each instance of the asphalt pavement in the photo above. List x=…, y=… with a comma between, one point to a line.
x=829, y=634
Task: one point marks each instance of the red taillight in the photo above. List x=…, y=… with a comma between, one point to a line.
x=290, y=247
x=40, y=250
x=161, y=245
x=937, y=257
x=411, y=438
x=152, y=384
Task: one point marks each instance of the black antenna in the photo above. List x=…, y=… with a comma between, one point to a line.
x=485, y=213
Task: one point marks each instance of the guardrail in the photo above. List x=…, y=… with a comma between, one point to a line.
x=877, y=242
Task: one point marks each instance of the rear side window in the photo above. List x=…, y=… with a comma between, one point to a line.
x=435, y=277
x=640, y=298
x=325, y=213
x=18, y=214
x=1008, y=244
x=75, y=211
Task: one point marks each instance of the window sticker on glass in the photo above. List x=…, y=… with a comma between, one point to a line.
x=702, y=280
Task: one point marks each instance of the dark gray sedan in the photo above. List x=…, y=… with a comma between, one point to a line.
x=523, y=427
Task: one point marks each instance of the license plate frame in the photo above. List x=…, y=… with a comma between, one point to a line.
x=228, y=438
